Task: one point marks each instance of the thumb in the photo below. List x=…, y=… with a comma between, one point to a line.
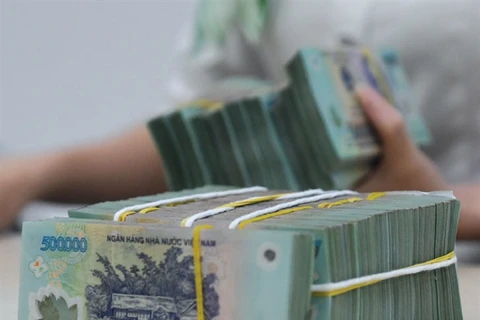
x=386, y=119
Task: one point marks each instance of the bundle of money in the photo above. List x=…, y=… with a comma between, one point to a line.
x=331, y=139
x=309, y=133
x=358, y=256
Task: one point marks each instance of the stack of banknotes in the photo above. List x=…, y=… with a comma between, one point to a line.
x=221, y=252
x=309, y=133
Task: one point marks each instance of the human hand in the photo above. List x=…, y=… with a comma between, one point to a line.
x=403, y=166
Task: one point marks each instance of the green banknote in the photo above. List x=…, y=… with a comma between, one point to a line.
x=402, y=96
x=88, y=269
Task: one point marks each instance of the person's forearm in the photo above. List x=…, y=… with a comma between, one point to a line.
x=126, y=166
x=469, y=223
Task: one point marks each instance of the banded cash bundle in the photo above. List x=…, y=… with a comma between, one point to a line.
x=268, y=254
x=311, y=133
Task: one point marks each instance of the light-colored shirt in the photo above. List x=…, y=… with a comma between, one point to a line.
x=438, y=43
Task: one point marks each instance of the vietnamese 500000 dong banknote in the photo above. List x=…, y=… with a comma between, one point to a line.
x=85, y=269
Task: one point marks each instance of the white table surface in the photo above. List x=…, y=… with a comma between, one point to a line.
x=469, y=277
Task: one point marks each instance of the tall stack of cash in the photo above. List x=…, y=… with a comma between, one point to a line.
x=309, y=133
x=220, y=252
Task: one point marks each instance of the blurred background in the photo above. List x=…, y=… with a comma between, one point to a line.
x=74, y=72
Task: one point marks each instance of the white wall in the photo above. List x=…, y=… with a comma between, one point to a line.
x=74, y=71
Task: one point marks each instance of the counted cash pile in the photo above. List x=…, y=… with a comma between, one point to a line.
x=247, y=253
x=310, y=133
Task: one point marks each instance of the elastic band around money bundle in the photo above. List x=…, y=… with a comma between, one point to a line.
x=197, y=268
x=342, y=287
x=120, y=215
x=337, y=288
x=318, y=290
x=188, y=222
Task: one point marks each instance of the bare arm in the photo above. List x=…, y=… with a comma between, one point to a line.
x=125, y=166
x=469, y=223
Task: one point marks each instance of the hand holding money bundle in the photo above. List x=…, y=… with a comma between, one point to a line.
x=403, y=165
x=311, y=133
x=246, y=253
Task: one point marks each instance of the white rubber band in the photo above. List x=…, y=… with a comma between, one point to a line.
x=211, y=212
x=328, y=287
x=200, y=196
x=328, y=195
x=306, y=193
x=204, y=214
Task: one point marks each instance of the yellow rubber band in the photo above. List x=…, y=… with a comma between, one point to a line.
x=147, y=210
x=339, y=202
x=204, y=103
x=368, y=283
x=197, y=265
x=247, y=202
x=372, y=196
x=446, y=257
x=174, y=204
x=271, y=215
x=342, y=291
x=375, y=195
x=125, y=215
x=241, y=203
